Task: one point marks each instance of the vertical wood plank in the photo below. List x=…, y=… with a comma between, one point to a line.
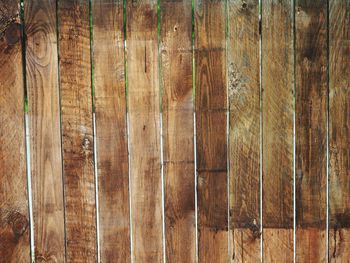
x=339, y=130
x=211, y=124
x=76, y=103
x=44, y=129
x=179, y=188
x=111, y=132
x=277, y=85
x=311, y=129
x=244, y=99
x=14, y=219
x=143, y=106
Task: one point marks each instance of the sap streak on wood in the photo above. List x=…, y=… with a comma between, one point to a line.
x=143, y=104
x=111, y=136
x=277, y=84
x=176, y=68
x=339, y=130
x=45, y=134
x=211, y=140
x=244, y=99
x=79, y=183
x=311, y=116
x=14, y=221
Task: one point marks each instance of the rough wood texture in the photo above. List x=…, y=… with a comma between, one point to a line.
x=144, y=105
x=14, y=220
x=311, y=116
x=244, y=99
x=277, y=85
x=339, y=130
x=211, y=126
x=76, y=102
x=111, y=132
x=44, y=129
x=179, y=188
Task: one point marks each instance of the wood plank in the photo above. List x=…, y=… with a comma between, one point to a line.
x=111, y=132
x=311, y=128
x=14, y=218
x=211, y=126
x=244, y=101
x=76, y=103
x=144, y=113
x=178, y=131
x=339, y=130
x=277, y=85
x=44, y=129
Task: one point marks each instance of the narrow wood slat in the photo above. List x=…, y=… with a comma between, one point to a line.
x=244, y=98
x=211, y=124
x=143, y=106
x=111, y=132
x=14, y=218
x=179, y=188
x=339, y=130
x=311, y=129
x=76, y=103
x=277, y=85
x=44, y=129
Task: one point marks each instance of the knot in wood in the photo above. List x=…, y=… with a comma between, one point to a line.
x=19, y=223
x=13, y=34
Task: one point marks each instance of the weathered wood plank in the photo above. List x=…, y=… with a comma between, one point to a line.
x=76, y=103
x=144, y=109
x=277, y=97
x=14, y=219
x=44, y=129
x=244, y=101
x=111, y=132
x=179, y=187
x=339, y=130
x=311, y=128
x=211, y=126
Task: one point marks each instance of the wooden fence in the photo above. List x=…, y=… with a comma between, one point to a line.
x=175, y=131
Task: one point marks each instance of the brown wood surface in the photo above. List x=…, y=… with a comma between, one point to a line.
x=211, y=130
x=44, y=129
x=277, y=113
x=179, y=180
x=339, y=130
x=244, y=98
x=311, y=129
x=111, y=132
x=14, y=218
x=76, y=103
x=144, y=108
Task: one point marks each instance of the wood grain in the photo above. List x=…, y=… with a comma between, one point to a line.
x=244, y=101
x=178, y=131
x=311, y=128
x=14, y=220
x=277, y=113
x=76, y=103
x=144, y=109
x=111, y=132
x=339, y=130
x=44, y=129
x=211, y=130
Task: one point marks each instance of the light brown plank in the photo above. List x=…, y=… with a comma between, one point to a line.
x=144, y=106
x=339, y=130
x=111, y=132
x=277, y=85
x=14, y=218
x=211, y=126
x=179, y=180
x=244, y=98
x=44, y=129
x=311, y=127
x=76, y=103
